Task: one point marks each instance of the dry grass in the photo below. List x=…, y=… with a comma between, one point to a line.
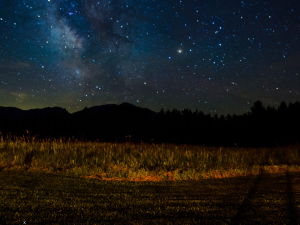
x=142, y=162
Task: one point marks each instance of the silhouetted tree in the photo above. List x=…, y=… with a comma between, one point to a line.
x=160, y=126
x=176, y=125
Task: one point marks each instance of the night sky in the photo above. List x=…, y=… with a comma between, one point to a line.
x=215, y=56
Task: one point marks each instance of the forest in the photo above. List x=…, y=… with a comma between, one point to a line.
x=261, y=127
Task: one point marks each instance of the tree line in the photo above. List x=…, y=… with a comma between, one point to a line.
x=261, y=127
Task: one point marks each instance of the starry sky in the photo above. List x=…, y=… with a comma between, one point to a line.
x=215, y=56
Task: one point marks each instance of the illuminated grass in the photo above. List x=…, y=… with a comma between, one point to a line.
x=144, y=162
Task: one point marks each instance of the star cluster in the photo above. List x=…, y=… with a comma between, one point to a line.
x=215, y=56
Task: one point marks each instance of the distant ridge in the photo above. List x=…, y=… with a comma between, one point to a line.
x=124, y=107
x=110, y=119
x=11, y=112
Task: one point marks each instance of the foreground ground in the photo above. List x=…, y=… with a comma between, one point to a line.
x=56, y=182
x=47, y=198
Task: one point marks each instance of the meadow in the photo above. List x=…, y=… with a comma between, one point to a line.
x=28, y=162
x=144, y=162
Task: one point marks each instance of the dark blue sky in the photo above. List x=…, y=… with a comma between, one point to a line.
x=215, y=56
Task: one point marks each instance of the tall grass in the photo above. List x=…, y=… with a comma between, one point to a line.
x=141, y=162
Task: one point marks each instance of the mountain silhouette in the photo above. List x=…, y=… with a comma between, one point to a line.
x=262, y=127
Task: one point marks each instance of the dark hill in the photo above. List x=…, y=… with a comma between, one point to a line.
x=112, y=122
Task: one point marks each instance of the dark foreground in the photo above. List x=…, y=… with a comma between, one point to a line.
x=40, y=198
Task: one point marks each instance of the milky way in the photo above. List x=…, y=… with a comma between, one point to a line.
x=215, y=56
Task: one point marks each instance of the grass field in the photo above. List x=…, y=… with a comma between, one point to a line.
x=57, y=179
x=145, y=162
